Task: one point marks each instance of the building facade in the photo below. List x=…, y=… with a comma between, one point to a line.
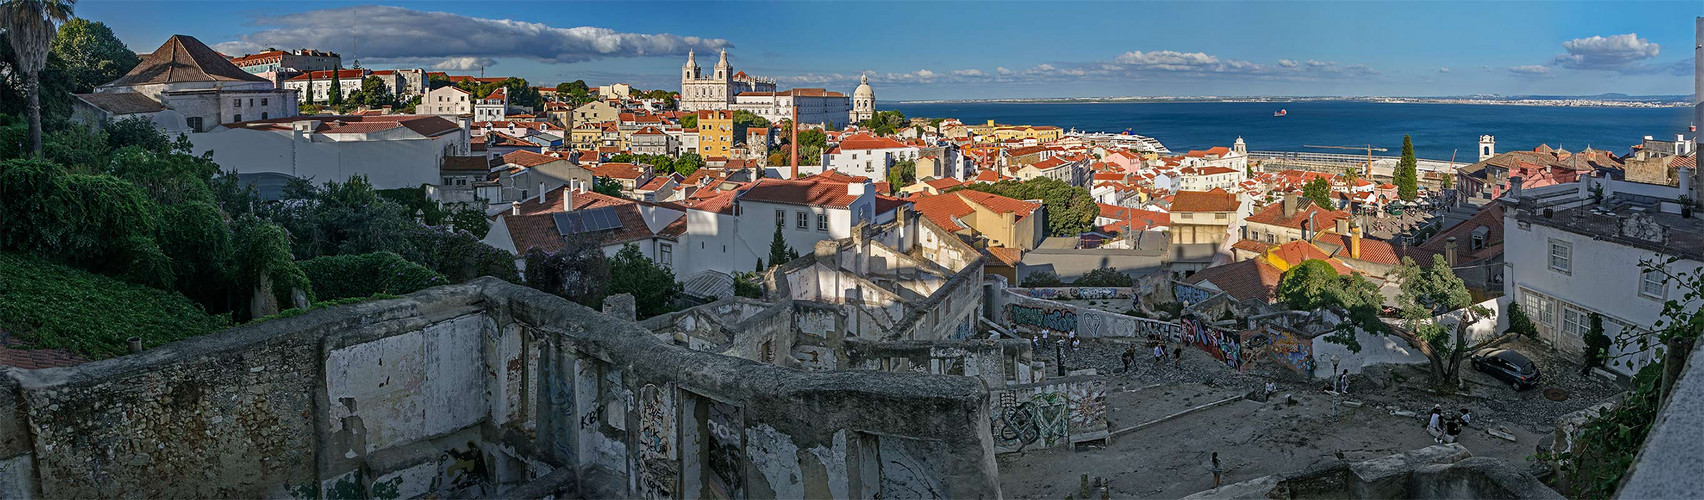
x=700, y=91
x=185, y=86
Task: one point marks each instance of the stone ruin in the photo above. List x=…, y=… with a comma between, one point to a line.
x=479, y=390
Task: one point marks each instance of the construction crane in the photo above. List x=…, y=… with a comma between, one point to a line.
x=1368, y=147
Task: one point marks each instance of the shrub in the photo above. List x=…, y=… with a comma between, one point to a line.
x=1106, y=276
x=1520, y=323
x=1041, y=279
x=59, y=307
x=348, y=276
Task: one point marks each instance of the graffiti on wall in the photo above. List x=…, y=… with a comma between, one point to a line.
x=1051, y=318
x=1284, y=348
x=726, y=462
x=659, y=470
x=1222, y=346
x=1048, y=415
x=462, y=471
x=1145, y=327
x=1066, y=293
x=1190, y=294
x=1097, y=293
x=1087, y=411
x=964, y=329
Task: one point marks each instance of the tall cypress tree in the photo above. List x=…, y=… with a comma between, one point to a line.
x=1407, y=179
x=335, y=97
x=778, y=247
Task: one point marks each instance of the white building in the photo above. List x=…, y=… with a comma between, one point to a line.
x=815, y=106
x=1566, y=257
x=492, y=107
x=446, y=101
x=1207, y=178
x=715, y=91
x=864, y=156
x=392, y=151
x=184, y=86
x=863, y=100
x=729, y=230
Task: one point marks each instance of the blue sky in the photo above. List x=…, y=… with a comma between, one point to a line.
x=986, y=49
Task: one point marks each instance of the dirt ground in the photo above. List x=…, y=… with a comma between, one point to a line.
x=1171, y=459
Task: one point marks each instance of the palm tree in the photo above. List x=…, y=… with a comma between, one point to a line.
x=29, y=26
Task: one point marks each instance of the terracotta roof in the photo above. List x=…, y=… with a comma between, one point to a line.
x=885, y=204
x=1000, y=204
x=1252, y=246
x=426, y=125
x=943, y=183
x=814, y=192
x=535, y=227
x=1126, y=216
x=1252, y=279
x=528, y=159
x=1490, y=218
x=941, y=209
x=837, y=176
x=861, y=141
x=122, y=103
x=1217, y=200
x=627, y=171
x=655, y=184
x=344, y=74
x=1293, y=253
x=1006, y=255
x=466, y=164
x=184, y=59
x=1274, y=215
x=1374, y=251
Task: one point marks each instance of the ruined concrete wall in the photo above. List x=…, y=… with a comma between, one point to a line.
x=997, y=363
x=1057, y=412
x=1440, y=471
x=474, y=390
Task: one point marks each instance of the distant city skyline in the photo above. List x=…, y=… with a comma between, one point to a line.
x=996, y=50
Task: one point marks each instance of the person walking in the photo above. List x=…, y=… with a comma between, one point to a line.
x=1159, y=355
x=1177, y=357
x=1216, y=470
x=1343, y=382
x=1128, y=357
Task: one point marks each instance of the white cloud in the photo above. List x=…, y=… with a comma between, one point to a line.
x=1614, y=52
x=1288, y=63
x=1126, y=66
x=969, y=72
x=1001, y=70
x=463, y=63
x=1531, y=71
x=398, y=33
x=1443, y=70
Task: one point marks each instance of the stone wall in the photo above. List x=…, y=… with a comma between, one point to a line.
x=1441, y=471
x=481, y=389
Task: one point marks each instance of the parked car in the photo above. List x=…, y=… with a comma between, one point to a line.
x=1509, y=366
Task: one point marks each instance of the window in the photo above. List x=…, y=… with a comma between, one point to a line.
x=236, y=118
x=803, y=220
x=264, y=115
x=236, y=103
x=1653, y=284
x=1561, y=256
x=1219, y=216
x=822, y=222
x=780, y=217
x=1574, y=322
x=195, y=123
x=666, y=254
x=251, y=102
x=263, y=101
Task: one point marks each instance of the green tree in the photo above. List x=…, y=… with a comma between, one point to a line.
x=688, y=163
x=578, y=272
x=353, y=276
x=1315, y=285
x=1106, y=277
x=689, y=121
x=902, y=174
x=435, y=81
x=1319, y=190
x=1407, y=178
x=1070, y=209
x=576, y=91
x=748, y=284
x=1041, y=279
x=88, y=54
x=1427, y=292
x=30, y=31
x=335, y=96
x=373, y=94
x=778, y=247
x=1597, y=345
x=653, y=287
x=606, y=186
x=884, y=122
x=263, y=267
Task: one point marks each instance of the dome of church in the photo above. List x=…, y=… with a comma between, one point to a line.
x=864, y=91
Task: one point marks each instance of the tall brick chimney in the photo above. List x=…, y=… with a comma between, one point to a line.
x=795, y=144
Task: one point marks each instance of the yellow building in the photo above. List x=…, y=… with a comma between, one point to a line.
x=715, y=133
x=586, y=136
x=1042, y=134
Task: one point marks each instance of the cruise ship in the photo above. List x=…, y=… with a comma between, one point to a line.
x=1125, y=140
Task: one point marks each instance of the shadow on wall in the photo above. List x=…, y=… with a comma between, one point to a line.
x=481, y=389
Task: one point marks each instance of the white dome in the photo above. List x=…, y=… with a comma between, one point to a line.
x=864, y=91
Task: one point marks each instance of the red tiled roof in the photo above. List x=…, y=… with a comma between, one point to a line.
x=1253, y=279
x=1274, y=215
x=1296, y=252
x=885, y=204
x=344, y=74
x=535, y=227
x=1216, y=200
x=628, y=171
x=1007, y=256
x=1252, y=246
x=1000, y=204
x=15, y=353
x=528, y=159
x=943, y=183
x=426, y=125
x=861, y=141
x=814, y=192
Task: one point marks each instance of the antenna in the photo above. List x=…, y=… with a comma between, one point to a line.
x=355, y=50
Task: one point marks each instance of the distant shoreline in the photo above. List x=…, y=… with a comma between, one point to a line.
x=1576, y=102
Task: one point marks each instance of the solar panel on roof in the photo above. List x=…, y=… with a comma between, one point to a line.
x=587, y=221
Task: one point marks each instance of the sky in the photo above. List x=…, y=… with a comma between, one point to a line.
x=960, y=50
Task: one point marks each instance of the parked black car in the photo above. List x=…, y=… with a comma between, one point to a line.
x=1509, y=366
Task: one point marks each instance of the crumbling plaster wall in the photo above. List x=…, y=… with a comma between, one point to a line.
x=478, y=390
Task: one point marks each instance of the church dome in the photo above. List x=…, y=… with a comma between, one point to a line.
x=864, y=91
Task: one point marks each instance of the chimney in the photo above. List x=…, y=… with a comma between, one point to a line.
x=1343, y=226
x=1355, y=243
x=859, y=188
x=541, y=191
x=1290, y=204
x=1450, y=250
x=1685, y=178
x=568, y=197
x=1514, y=188
x=514, y=208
